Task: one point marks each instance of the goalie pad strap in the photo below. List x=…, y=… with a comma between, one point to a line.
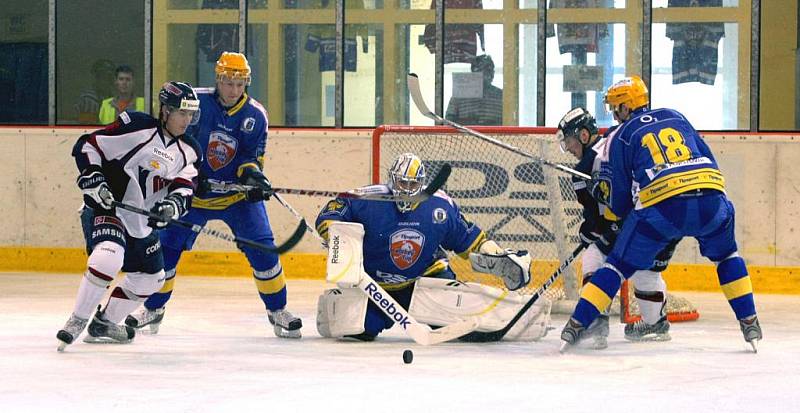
x=442, y=302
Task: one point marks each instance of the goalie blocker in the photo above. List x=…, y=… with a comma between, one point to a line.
x=460, y=307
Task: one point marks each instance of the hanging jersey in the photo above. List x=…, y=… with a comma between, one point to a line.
x=666, y=155
x=141, y=166
x=694, y=51
x=231, y=139
x=399, y=247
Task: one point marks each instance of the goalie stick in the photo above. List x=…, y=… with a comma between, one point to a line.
x=436, y=183
x=497, y=335
x=280, y=249
x=416, y=96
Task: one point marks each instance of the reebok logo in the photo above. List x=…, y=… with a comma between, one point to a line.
x=335, y=250
x=393, y=312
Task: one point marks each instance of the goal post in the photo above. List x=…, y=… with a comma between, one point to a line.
x=517, y=201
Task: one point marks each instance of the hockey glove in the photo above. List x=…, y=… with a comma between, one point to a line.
x=173, y=206
x=262, y=188
x=96, y=193
x=600, y=187
x=587, y=235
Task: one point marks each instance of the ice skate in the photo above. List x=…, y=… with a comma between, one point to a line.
x=104, y=331
x=641, y=331
x=571, y=334
x=751, y=330
x=146, y=317
x=285, y=324
x=598, y=331
x=71, y=331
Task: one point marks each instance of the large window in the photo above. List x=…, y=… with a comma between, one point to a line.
x=23, y=61
x=109, y=64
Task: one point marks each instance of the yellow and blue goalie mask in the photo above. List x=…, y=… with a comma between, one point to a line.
x=406, y=177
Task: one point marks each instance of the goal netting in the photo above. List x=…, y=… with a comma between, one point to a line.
x=519, y=203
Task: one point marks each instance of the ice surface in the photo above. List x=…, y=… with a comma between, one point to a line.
x=215, y=352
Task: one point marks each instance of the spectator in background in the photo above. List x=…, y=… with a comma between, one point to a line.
x=125, y=99
x=102, y=85
x=485, y=110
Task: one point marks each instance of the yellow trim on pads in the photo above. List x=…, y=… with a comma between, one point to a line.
x=298, y=265
x=270, y=286
x=597, y=297
x=738, y=288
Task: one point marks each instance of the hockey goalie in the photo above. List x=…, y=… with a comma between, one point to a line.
x=389, y=265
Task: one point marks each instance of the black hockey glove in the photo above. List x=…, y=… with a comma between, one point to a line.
x=262, y=188
x=96, y=193
x=173, y=206
x=587, y=234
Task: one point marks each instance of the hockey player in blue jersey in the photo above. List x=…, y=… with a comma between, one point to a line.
x=232, y=132
x=578, y=135
x=401, y=248
x=658, y=174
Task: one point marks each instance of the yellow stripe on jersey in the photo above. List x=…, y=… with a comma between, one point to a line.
x=595, y=296
x=738, y=288
x=217, y=203
x=242, y=167
x=271, y=286
x=474, y=246
x=435, y=268
x=237, y=107
x=675, y=184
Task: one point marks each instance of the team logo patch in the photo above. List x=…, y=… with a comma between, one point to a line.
x=335, y=207
x=248, y=124
x=406, y=247
x=439, y=215
x=221, y=150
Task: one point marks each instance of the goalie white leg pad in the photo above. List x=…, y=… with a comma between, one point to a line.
x=442, y=302
x=651, y=292
x=341, y=312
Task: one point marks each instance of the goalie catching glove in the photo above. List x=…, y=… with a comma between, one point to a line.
x=261, y=187
x=512, y=266
x=96, y=193
x=173, y=206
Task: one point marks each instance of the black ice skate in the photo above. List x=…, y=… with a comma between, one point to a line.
x=146, y=317
x=103, y=331
x=571, y=334
x=641, y=331
x=285, y=324
x=71, y=331
x=751, y=330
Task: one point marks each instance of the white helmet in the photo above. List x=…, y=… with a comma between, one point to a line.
x=406, y=177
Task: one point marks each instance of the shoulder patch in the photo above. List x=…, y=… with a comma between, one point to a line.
x=335, y=206
x=126, y=119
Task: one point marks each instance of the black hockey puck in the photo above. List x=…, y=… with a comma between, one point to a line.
x=408, y=357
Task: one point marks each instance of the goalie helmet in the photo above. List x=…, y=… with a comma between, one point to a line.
x=630, y=91
x=233, y=66
x=406, y=177
x=571, y=124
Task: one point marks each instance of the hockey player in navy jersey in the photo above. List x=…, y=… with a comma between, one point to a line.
x=401, y=249
x=232, y=133
x=658, y=174
x=141, y=161
x=578, y=135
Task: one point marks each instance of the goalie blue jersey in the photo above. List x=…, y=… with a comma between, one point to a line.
x=655, y=155
x=400, y=247
x=232, y=139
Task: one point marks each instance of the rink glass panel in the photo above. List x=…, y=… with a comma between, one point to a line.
x=94, y=38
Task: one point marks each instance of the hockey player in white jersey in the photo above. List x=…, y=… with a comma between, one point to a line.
x=401, y=248
x=141, y=161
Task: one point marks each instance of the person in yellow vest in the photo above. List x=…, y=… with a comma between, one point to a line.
x=125, y=100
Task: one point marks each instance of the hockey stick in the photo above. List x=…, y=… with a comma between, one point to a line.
x=297, y=215
x=280, y=249
x=436, y=183
x=481, y=337
x=416, y=96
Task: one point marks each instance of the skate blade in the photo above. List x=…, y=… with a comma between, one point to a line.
x=103, y=340
x=649, y=337
x=754, y=346
x=282, y=333
x=564, y=347
x=61, y=346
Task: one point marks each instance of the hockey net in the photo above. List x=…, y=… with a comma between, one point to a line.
x=520, y=203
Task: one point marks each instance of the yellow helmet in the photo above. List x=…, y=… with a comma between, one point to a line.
x=233, y=66
x=630, y=91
